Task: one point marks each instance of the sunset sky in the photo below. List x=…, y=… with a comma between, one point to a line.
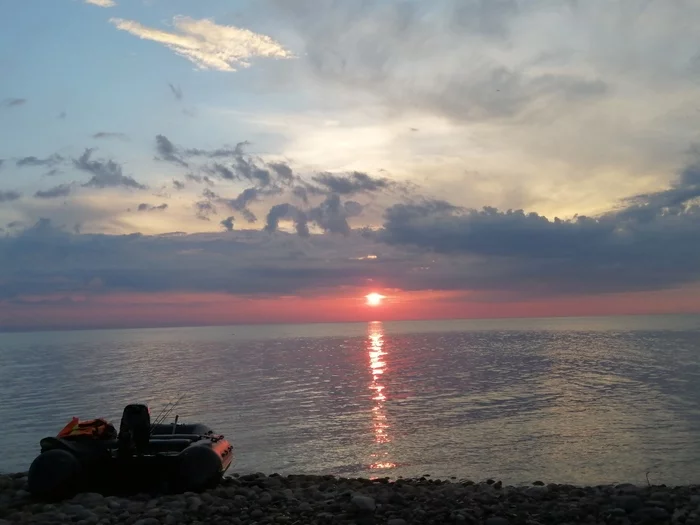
x=171, y=162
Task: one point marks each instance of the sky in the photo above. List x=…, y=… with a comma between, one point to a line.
x=171, y=162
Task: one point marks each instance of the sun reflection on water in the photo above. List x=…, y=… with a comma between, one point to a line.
x=375, y=349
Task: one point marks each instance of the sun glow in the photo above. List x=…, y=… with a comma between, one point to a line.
x=374, y=299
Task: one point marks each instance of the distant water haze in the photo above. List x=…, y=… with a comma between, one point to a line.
x=571, y=400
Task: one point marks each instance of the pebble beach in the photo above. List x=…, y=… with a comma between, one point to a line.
x=296, y=500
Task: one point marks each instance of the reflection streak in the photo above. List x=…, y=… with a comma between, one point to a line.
x=375, y=349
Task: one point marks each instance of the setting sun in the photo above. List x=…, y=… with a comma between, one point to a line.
x=374, y=299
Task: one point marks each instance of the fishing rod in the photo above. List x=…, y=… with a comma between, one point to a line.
x=162, y=418
x=163, y=415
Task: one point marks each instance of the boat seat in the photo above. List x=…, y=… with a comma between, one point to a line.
x=190, y=437
x=157, y=446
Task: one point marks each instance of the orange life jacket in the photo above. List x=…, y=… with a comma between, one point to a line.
x=91, y=428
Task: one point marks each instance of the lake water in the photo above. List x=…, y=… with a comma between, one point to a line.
x=571, y=400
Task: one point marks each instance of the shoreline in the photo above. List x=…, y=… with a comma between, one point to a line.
x=310, y=499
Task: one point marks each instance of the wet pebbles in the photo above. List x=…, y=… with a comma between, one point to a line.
x=297, y=500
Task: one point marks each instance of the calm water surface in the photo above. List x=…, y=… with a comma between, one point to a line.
x=578, y=400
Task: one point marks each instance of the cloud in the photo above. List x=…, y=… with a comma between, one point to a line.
x=409, y=58
x=227, y=223
x=199, y=179
x=110, y=135
x=241, y=203
x=204, y=209
x=52, y=160
x=9, y=196
x=148, y=207
x=651, y=242
x=62, y=190
x=2, y=161
x=287, y=211
x=243, y=262
x=208, y=45
x=229, y=164
x=176, y=91
x=178, y=185
x=352, y=184
x=332, y=215
x=167, y=151
x=13, y=102
x=101, y=3
x=282, y=170
x=105, y=173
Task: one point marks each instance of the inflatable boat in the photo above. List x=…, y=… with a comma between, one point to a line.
x=142, y=457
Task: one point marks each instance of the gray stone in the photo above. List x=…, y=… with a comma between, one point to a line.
x=618, y=512
x=79, y=512
x=305, y=506
x=265, y=498
x=89, y=499
x=537, y=492
x=363, y=503
x=657, y=513
x=193, y=503
x=629, y=503
x=396, y=521
x=628, y=488
x=147, y=521
x=257, y=514
x=497, y=520
x=659, y=495
x=655, y=503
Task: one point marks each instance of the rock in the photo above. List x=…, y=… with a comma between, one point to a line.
x=539, y=483
x=628, y=488
x=257, y=514
x=537, y=492
x=396, y=521
x=79, y=512
x=265, y=498
x=617, y=512
x=629, y=503
x=193, y=503
x=22, y=494
x=147, y=521
x=305, y=507
x=496, y=520
x=655, y=503
x=363, y=504
x=677, y=515
x=656, y=513
x=89, y=499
